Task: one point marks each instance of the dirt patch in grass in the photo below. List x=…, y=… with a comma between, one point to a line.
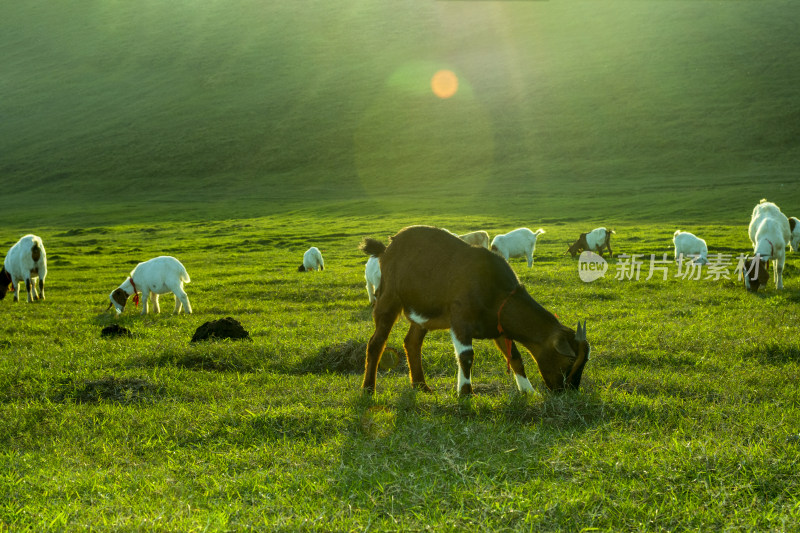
x=224, y=328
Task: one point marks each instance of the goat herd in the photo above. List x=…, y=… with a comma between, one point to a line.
x=440, y=280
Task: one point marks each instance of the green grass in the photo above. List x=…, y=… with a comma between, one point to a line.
x=236, y=134
x=687, y=417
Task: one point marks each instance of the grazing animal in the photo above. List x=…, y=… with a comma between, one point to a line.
x=25, y=261
x=689, y=245
x=439, y=282
x=312, y=260
x=159, y=275
x=769, y=232
x=372, y=273
x=476, y=238
x=518, y=243
x=794, y=226
x=594, y=241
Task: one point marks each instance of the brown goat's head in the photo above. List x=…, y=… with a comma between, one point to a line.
x=5, y=283
x=755, y=273
x=562, y=358
x=118, y=299
x=578, y=246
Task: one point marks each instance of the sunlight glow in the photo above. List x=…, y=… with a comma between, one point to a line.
x=444, y=83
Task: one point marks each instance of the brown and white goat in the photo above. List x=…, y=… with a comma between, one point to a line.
x=594, y=241
x=438, y=282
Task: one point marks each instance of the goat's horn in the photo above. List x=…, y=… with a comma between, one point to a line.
x=580, y=334
x=109, y=307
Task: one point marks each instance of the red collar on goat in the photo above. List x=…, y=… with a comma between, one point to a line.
x=135, y=294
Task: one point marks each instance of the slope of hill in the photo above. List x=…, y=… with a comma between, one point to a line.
x=245, y=107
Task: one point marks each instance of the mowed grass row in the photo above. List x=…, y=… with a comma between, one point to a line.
x=687, y=417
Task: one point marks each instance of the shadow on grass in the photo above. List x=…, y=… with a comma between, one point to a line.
x=221, y=356
x=347, y=358
x=126, y=390
x=773, y=354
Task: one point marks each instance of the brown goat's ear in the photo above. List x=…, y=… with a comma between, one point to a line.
x=563, y=347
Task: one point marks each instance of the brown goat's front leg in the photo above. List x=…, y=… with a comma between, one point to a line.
x=464, y=357
x=413, y=346
x=514, y=360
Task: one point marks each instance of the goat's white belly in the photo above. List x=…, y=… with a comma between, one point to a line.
x=438, y=322
x=159, y=288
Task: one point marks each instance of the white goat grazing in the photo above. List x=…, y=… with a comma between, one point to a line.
x=770, y=232
x=25, y=261
x=476, y=238
x=312, y=260
x=518, y=243
x=372, y=273
x=159, y=275
x=689, y=245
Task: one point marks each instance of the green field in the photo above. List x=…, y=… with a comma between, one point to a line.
x=236, y=134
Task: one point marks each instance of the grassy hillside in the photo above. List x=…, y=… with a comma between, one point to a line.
x=241, y=108
x=687, y=418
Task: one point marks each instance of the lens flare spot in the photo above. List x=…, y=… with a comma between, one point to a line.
x=444, y=83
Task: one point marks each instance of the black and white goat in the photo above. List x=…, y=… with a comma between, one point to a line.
x=25, y=261
x=439, y=282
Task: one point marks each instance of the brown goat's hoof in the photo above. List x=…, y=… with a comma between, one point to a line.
x=466, y=390
x=422, y=387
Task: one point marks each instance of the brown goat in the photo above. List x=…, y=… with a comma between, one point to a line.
x=438, y=282
x=594, y=241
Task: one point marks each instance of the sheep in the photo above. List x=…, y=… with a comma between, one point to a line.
x=689, y=245
x=159, y=275
x=594, y=241
x=770, y=232
x=438, y=282
x=476, y=238
x=25, y=261
x=312, y=260
x=518, y=243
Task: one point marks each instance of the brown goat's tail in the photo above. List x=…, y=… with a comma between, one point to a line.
x=372, y=247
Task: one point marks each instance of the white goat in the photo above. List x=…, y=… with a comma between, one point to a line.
x=769, y=232
x=25, y=261
x=518, y=243
x=372, y=273
x=159, y=275
x=689, y=245
x=476, y=238
x=312, y=260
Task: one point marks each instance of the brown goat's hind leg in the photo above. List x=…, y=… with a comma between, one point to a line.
x=515, y=363
x=413, y=346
